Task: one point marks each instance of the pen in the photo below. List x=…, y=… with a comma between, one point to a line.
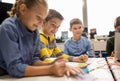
x=96, y=68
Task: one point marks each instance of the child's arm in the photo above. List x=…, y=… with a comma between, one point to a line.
x=57, y=68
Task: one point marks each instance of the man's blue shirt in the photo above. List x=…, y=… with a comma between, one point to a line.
x=77, y=48
x=18, y=46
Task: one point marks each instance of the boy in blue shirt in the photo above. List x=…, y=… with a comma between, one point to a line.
x=77, y=45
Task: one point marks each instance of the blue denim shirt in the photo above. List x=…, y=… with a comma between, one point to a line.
x=77, y=48
x=18, y=47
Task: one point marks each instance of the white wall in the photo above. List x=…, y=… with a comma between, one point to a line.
x=101, y=13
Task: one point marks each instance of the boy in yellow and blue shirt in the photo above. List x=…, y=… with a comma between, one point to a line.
x=49, y=48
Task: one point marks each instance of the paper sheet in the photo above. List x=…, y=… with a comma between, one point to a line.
x=85, y=77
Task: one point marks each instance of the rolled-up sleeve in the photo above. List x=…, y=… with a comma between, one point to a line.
x=36, y=48
x=11, y=54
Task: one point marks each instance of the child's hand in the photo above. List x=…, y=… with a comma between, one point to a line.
x=84, y=57
x=81, y=58
x=58, y=67
x=73, y=70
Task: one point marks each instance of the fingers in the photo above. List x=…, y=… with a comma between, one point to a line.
x=83, y=58
x=59, y=68
x=67, y=73
x=77, y=70
x=74, y=71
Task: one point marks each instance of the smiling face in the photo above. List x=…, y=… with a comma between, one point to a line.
x=32, y=18
x=77, y=30
x=51, y=27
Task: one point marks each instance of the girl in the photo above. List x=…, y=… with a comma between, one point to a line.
x=20, y=44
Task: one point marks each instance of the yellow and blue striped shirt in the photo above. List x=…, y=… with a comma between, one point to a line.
x=49, y=48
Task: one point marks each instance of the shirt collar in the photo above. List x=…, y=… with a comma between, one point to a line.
x=77, y=40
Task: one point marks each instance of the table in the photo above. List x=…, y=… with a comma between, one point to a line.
x=114, y=68
x=101, y=74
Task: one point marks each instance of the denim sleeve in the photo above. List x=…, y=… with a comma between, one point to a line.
x=36, y=53
x=10, y=52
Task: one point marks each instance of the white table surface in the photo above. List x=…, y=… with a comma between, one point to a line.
x=115, y=68
x=101, y=74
